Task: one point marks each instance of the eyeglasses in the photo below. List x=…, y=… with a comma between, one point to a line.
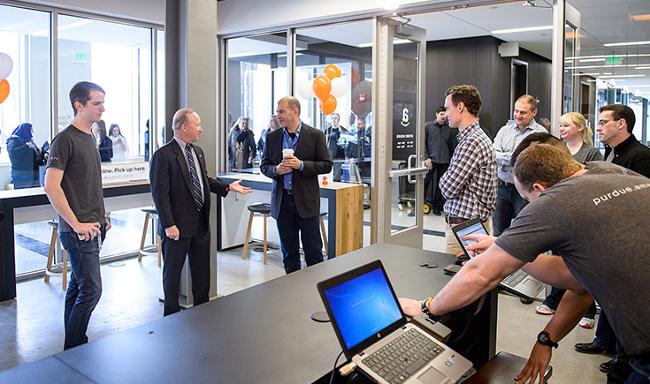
x=605, y=122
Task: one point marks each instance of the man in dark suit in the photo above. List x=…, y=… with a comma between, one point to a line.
x=293, y=157
x=181, y=188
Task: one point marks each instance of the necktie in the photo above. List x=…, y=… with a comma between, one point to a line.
x=196, y=185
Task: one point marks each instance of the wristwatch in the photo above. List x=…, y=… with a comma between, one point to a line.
x=545, y=339
x=425, y=307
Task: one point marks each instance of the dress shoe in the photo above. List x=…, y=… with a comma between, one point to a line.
x=604, y=367
x=590, y=348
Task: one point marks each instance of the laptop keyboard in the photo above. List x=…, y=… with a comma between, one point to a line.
x=515, y=278
x=402, y=357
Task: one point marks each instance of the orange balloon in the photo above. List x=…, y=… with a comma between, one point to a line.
x=4, y=90
x=328, y=105
x=332, y=71
x=322, y=87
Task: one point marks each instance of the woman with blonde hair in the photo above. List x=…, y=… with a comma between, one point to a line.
x=578, y=137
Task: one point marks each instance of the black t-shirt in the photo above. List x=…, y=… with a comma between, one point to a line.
x=74, y=152
x=598, y=222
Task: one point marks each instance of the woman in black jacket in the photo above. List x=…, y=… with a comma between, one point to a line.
x=25, y=157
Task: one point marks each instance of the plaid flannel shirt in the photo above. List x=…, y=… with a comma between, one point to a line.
x=470, y=183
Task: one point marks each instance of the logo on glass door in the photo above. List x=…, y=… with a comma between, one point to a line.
x=406, y=120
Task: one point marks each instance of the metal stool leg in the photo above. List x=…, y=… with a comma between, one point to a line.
x=324, y=234
x=265, y=255
x=144, y=235
x=248, y=235
x=159, y=250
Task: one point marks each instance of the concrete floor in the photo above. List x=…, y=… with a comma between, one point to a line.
x=32, y=324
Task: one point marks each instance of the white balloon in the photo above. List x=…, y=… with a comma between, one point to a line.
x=339, y=86
x=6, y=65
x=305, y=89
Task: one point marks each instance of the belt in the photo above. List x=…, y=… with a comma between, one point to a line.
x=288, y=191
x=455, y=220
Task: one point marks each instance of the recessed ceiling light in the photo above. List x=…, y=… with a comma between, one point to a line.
x=621, y=76
x=645, y=67
x=597, y=66
x=625, y=43
x=526, y=29
x=592, y=60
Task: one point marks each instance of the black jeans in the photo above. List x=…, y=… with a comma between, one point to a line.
x=509, y=204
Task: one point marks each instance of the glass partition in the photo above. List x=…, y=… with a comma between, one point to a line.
x=25, y=39
x=118, y=58
x=256, y=79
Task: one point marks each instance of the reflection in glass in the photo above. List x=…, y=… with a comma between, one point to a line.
x=257, y=79
x=118, y=58
x=25, y=113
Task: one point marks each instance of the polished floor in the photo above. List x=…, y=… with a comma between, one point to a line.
x=32, y=323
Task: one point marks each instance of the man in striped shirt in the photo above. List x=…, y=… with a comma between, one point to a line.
x=470, y=183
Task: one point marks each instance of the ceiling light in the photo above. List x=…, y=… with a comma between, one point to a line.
x=644, y=17
x=587, y=74
x=597, y=66
x=646, y=67
x=592, y=60
x=621, y=76
x=627, y=56
x=626, y=43
x=517, y=30
x=396, y=41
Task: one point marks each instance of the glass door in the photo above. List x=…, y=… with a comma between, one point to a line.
x=398, y=191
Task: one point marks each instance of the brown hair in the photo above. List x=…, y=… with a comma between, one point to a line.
x=468, y=95
x=530, y=100
x=544, y=164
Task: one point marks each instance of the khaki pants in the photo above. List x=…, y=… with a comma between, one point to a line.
x=452, y=244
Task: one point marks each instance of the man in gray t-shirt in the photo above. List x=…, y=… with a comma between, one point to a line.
x=74, y=187
x=593, y=217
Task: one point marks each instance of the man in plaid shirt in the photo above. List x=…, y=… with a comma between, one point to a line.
x=470, y=183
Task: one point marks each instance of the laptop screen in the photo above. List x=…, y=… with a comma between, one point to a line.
x=362, y=306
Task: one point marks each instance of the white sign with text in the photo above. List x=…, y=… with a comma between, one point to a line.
x=113, y=173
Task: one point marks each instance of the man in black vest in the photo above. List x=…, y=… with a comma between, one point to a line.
x=180, y=187
x=293, y=157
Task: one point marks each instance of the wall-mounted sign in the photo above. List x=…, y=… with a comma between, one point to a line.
x=113, y=173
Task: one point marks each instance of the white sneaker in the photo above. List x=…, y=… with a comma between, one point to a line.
x=586, y=323
x=544, y=310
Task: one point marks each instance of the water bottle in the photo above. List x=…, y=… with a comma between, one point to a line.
x=345, y=171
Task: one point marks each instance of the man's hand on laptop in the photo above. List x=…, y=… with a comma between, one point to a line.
x=411, y=307
x=480, y=243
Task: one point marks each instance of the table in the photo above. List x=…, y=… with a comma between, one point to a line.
x=31, y=204
x=262, y=334
x=344, y=211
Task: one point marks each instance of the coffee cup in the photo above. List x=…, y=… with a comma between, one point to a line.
x=287, y=152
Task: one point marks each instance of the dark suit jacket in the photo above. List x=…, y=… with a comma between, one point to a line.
x=171, y=189
x=632, y=155
x=311, y=149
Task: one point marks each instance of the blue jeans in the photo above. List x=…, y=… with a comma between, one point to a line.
x=84, y=289
x=640, y=372
x=605, y=337
x=509, y=204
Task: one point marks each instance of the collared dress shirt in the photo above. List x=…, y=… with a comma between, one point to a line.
x=506, y=141
x=196, y=162
x=470, y=183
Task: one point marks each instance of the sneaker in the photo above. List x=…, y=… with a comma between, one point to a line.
x=586, y=323
x=544, y=310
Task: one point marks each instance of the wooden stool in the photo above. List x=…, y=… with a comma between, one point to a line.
x=322, y=230
x=50, y=258
x=150, y=213
x=257, y=208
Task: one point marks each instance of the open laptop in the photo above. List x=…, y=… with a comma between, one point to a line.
x=376, y=335
x=520, y=283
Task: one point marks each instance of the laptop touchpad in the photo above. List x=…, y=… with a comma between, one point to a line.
x=431, y=375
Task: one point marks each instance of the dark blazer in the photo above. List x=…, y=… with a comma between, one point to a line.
x=311, y=149
x=171, y=189
x=632, y=155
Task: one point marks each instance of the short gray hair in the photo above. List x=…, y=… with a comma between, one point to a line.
x=292, y=102
x=180, y=117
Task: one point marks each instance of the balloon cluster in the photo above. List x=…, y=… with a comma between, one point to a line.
x=326, y=87
x=6, y=65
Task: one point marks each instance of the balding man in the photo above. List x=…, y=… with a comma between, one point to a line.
x=293, y=157
x=509, y=203
x=180, y=187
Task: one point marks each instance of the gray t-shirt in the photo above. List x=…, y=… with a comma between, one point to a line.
x=587, y=153
x=598, y=223
x=74, y=152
